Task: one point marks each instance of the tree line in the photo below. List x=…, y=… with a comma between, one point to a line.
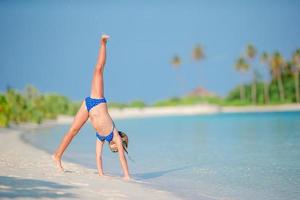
x=281, y=87
x=32, y=106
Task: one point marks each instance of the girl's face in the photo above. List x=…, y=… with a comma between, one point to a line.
x=113, y=146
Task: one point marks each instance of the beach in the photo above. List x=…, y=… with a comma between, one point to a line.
x=27, y=172
x=189, y=110
x=204, y=110
x=200, y=109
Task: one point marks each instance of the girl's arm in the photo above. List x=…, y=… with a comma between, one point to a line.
x=122, y=157
x=99, y=147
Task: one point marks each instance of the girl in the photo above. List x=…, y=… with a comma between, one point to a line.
x=95, y=108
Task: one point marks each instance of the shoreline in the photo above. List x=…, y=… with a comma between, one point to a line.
x=191, y=110
x=199, y=109
x=29, y=172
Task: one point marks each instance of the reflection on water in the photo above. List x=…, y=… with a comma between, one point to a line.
x=150, y=175
x=235, y=156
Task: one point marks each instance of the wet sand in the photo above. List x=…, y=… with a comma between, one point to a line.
x=27, y=172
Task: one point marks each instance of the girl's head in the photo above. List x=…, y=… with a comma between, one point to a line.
x=113, y=146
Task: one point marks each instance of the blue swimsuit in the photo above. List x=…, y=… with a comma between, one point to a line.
x=90, y=103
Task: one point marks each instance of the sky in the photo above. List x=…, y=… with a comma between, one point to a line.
x=53, y=44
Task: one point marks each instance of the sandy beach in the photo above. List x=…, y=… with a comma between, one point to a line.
x=27, y=172
x=200, y=109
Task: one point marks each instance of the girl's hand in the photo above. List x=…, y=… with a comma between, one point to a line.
x=103, y=175
x=100, y=173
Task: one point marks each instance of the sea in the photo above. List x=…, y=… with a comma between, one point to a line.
x=218, y=156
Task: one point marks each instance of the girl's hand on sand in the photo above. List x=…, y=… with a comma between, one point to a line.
x=104, y=38
x=104, y=176
x=100, y=173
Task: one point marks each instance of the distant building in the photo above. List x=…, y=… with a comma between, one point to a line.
x=201, y=92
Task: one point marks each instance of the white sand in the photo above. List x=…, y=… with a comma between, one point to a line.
x=27, y=172
x=164, y=111
x=200, y=109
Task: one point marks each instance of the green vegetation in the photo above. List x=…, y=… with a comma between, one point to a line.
x=188, y=100
x=283, y=86
x=116, y=105
x=133, y=104
x=273, y=95
x=31, y=106
x=137, y=104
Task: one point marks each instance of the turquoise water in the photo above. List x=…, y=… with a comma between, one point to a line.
x=223, y=156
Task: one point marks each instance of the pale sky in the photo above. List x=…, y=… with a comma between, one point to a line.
x=53, y=44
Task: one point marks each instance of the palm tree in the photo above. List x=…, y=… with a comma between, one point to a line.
x=198, y=53
x=264, y=59
x=277, y=63
x=296, y=68
x=250, y=54
x=176, y=63
x=5, y=111
x=242, y=66
x=31, y=92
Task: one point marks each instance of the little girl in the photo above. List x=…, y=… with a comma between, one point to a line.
x=95, y=108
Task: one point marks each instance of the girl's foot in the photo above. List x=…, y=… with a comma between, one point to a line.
x=126, y=178
x=104, y=38
x=57, y=163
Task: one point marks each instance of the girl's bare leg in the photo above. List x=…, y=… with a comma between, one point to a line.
x=97, y=89
x=99, y=147
x=82, y=115
x=80, y=118
x=118, y=141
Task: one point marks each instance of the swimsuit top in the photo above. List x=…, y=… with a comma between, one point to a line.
x=108, y=137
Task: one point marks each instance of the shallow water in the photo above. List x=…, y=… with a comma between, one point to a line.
x=222, y=156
